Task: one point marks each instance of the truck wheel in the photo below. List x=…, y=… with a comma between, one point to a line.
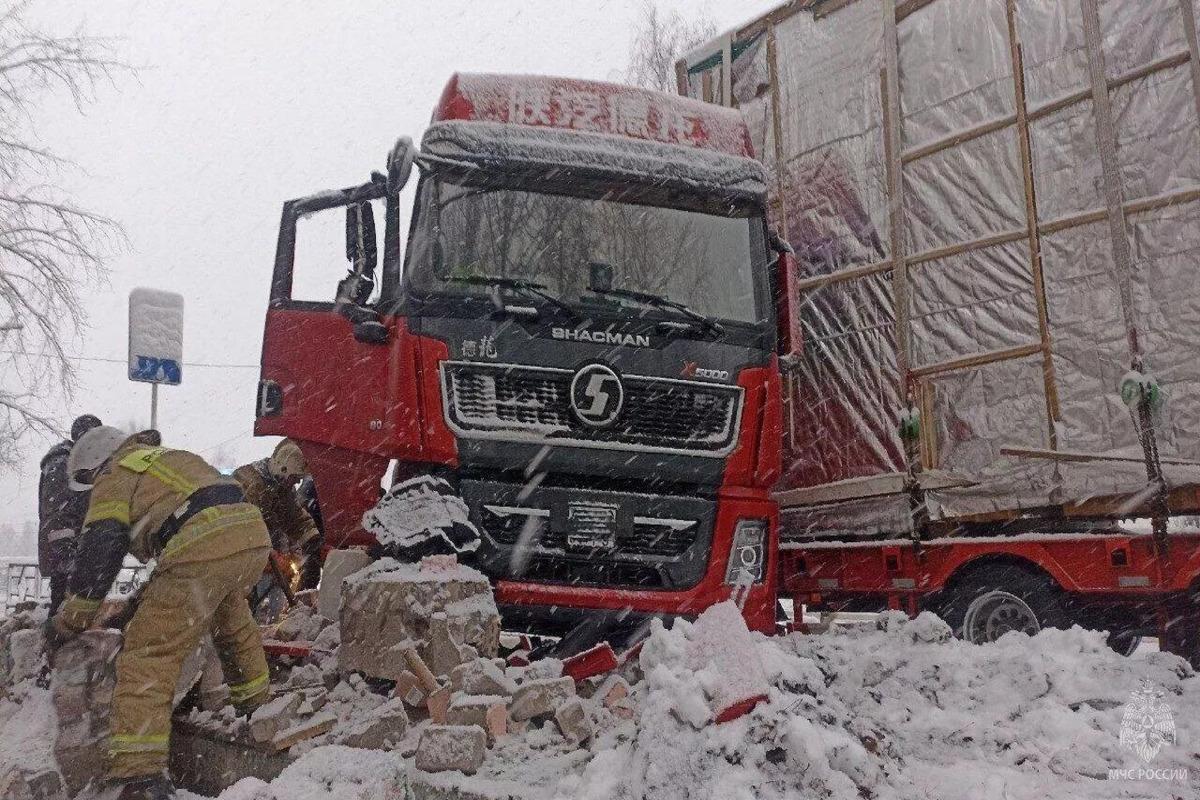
x=987, y=605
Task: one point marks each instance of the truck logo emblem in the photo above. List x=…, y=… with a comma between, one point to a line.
x=601, y=337
x=691, y=369
x=597, y=395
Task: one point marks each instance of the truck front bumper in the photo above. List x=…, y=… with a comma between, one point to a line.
x=667, y=557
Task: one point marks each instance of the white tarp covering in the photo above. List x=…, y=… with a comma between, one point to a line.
x=971, y=288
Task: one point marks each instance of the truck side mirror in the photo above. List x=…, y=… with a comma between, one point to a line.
x=400, y=164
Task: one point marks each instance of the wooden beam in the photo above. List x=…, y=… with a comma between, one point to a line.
x=1084, y=458
x=826, y=7
x=843, y=275
x=777, y=130
x=994, y=240
x=1106, y=141
x=1000, y=123
x=1139, y=206
x=957, y=138
x=978, y=360
x=1188, y=14
x=773, y=18
x=1049, y=385
x=1058, y=104
x=889, y=483
x=892, y=120
x=908, y=7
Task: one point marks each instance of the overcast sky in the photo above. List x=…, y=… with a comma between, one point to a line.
x=238, y=106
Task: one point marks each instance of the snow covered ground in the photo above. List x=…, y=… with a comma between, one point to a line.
x=894, y=710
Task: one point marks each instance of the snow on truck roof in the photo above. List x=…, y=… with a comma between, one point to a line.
x=594, y=107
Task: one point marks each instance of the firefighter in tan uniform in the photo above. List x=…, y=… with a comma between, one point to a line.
x=210, y=547
x=270, y=484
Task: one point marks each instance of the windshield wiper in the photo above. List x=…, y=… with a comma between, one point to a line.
x=513, y=284
x=658, y=301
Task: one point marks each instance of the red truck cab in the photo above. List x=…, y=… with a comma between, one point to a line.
x=580, y=335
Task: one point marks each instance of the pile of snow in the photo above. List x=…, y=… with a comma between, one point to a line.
x=898, y=710
x=327, y=773
x=904, y=711
x=895, y=710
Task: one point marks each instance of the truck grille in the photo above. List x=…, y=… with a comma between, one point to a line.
x=523, y=403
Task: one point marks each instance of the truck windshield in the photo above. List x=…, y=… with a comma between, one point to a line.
x=706, y=260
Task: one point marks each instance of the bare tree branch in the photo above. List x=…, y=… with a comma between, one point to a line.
x=50, y=248
x=660, y=40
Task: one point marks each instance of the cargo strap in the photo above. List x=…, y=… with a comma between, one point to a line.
x=217, y=494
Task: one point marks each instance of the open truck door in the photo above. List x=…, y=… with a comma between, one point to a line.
x=339, y=368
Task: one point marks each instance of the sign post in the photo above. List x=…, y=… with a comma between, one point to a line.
x=155, y=341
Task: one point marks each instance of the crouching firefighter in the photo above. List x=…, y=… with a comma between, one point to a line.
x=270, y=484
x=210, y=547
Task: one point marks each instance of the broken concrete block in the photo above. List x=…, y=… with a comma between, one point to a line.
x=301, y=624
x=328, y=640
x=382, y=729
x=540, y=697
x=451, y=747
x=622, y=709
x=314, y=701
x=339, y=564
x=441, y=652
x=573, y=720
x=482, y=676
x=489, y=712
x=72, y=701
x=440, y=562
x=302, y=731
x=408, y=688
x=389, y=605
x=268, y=720
x=438, y=704
x=80, y=766
x=612, y=691
x=26, y=649
x=544, y=668
x=76, y=734
x=22, y=784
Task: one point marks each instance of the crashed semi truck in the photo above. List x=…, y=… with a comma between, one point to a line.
x=579, y=336
x=995, y=208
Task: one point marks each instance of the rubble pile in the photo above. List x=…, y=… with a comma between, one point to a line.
x=27, y=767
x=704, y=709
x=84, y=677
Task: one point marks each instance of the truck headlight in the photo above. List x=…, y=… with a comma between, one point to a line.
x=748, y=553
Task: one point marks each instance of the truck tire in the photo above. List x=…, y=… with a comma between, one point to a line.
x=989, y=603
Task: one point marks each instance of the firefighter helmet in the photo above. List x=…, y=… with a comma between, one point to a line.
x=90, y=453
x=287, y=463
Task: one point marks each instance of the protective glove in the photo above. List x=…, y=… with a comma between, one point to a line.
x=56, y=635
x=74, y=616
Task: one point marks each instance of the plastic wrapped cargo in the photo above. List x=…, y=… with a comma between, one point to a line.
x=996, y=209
